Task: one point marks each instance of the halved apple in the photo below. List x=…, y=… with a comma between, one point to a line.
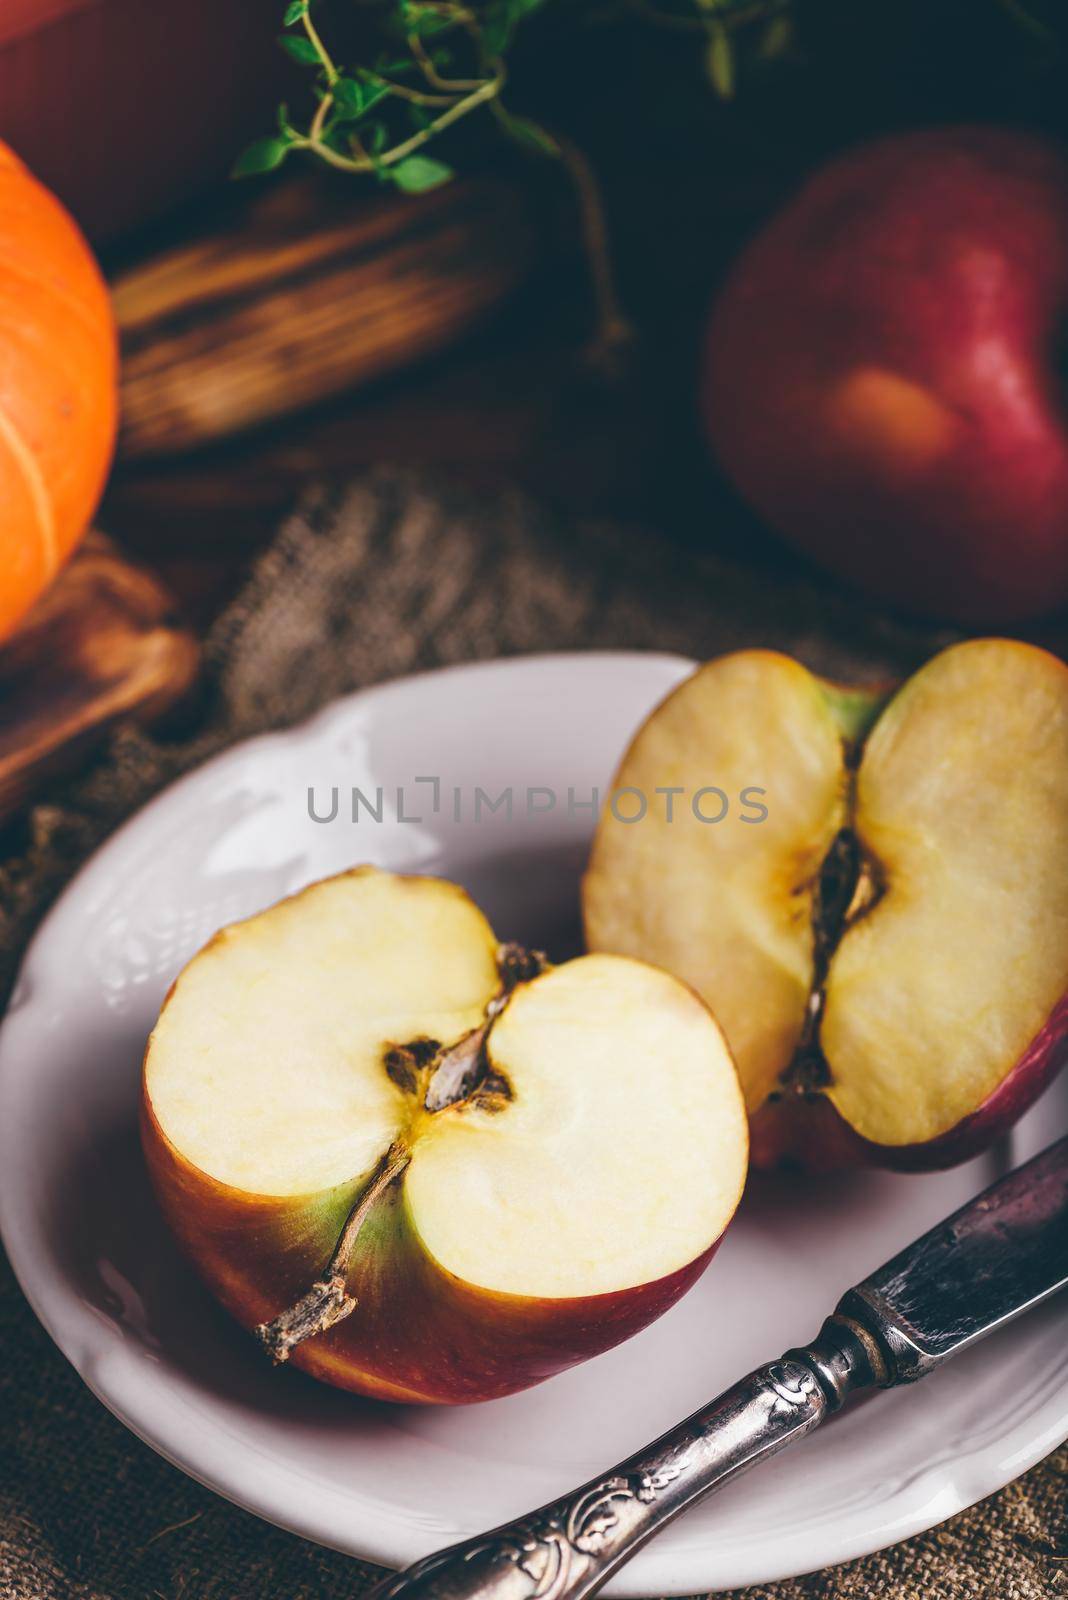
x=886, y=950
x=430, y=1167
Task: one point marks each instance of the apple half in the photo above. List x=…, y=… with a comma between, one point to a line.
x=887, y=950
x=426, y=1166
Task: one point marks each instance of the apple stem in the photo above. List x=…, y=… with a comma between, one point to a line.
x=328, y=1301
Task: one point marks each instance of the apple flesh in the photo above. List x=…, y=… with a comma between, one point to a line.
x=887, y=952
x=884, y=372
x=428, y=1167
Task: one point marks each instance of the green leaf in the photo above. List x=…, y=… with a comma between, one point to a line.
x=295, y=12
x=300, y=49
x=337, y=139
x=501, y=20
x=440, y=55
x=516, y=10
x=350, y=97
x=354, y=97
x=528, y=134
x=497, y=32
x=778, y=38
x=423, y=20
x=418, y=174
x=262, y=156
x=721, y=61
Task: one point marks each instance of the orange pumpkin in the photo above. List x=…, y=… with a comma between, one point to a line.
x=58, y=387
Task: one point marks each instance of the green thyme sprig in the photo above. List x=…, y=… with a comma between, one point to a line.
x=447, y=60
x=377, y=119
x=444, y=60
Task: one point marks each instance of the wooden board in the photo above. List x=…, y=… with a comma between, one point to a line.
x=101, y=646
x=315, y=289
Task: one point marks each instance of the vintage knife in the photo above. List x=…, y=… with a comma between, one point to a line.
x=991, y=1261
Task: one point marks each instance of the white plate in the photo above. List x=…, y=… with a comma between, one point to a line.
x=391, y=1483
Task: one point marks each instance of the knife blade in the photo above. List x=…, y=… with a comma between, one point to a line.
x=989, y=1262
x=994, y=1259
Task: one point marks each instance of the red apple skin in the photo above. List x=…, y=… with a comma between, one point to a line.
x=418, y=1334
x=808, y=1131
x=883, y=374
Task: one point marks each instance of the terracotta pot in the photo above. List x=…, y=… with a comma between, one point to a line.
x=125, y=106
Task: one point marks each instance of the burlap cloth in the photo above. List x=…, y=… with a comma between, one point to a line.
x=365, y=583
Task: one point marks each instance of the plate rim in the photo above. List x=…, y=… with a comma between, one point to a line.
x=667, y=1570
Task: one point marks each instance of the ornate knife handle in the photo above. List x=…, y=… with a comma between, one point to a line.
x=570, y=1548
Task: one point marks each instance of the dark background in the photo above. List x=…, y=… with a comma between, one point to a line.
x=686, y=179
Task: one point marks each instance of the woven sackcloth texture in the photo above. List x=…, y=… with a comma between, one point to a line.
x=366, y=582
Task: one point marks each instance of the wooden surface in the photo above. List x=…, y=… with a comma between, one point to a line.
x=102, y=645
x=303, y=295
x=515, y=403
x=511, y=406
